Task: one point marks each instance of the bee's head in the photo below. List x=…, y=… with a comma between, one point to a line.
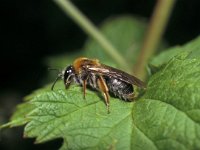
x=67, y=75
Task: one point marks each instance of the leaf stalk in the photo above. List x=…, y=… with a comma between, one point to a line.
x=155, y=31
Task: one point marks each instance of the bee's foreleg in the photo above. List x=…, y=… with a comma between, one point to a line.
x=104, y=89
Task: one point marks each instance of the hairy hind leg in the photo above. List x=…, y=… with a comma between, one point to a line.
x=104, y=89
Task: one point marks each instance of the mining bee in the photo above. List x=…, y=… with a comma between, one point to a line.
x=101, y=77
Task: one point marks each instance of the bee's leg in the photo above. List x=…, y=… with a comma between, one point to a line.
x=84, y=77
x=103, y=88
x=84, y=88
x=129, y=97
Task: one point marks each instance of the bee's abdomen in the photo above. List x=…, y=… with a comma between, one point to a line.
x=120, y=88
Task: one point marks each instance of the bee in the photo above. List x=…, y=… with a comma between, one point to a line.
x=106, y=79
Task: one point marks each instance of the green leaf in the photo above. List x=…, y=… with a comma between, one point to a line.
x=165, y=117
x=173, y=93
x=19, y=117
x=165, y=56
x=65, y=113
x=125, y=33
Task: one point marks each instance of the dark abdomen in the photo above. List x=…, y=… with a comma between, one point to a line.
x=120, y=88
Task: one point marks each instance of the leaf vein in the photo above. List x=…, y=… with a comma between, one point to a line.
x=176, y=109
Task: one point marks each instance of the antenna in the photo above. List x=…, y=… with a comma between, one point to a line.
x=55, y=82
x=59, y=76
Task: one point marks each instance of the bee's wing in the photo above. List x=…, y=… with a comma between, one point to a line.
x=116, y=73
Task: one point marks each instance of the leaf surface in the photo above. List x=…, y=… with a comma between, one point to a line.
x=164, y=57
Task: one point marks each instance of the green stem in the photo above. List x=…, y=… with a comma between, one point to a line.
x=91, y=30
x=155, y=31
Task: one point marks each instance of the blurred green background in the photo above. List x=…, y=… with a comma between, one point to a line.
x=32, y=31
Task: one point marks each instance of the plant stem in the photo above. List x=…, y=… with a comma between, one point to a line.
x=91, y=30
x=155, y=31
